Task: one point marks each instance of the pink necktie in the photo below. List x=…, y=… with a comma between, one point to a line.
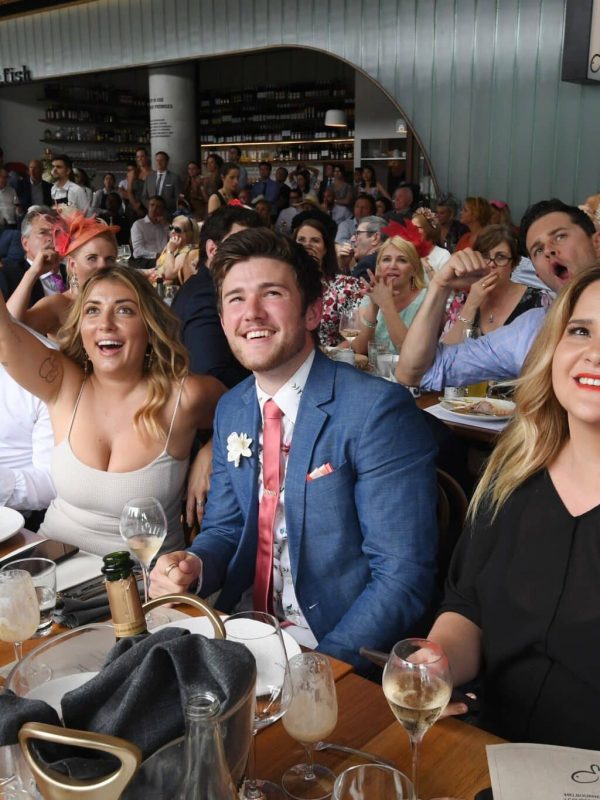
x=263, y=577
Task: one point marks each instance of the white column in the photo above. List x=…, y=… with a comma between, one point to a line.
x=173, y=114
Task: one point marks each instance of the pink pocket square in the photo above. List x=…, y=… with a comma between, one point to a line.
x=324, y=469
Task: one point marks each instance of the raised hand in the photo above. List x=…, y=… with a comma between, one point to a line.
x=463, y=269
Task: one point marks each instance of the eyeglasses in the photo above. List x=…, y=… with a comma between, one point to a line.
x=177, y=229
x=367, y=233
x=500, y=259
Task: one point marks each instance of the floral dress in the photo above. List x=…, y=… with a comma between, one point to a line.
x=341, y=293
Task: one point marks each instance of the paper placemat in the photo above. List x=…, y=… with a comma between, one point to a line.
x=447, y=416
x=543, y=772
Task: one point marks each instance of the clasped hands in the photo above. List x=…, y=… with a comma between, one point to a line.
x=379, y=290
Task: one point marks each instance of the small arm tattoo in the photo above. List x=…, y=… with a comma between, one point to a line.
x=50, y=369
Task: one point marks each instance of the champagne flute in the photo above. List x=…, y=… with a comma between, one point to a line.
x=261, y=634
x=417, y=685
x=143, y=526
x=19, y=608
x=350, y=324
x=312, y=716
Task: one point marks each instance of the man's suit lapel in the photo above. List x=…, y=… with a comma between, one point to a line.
x=247, y=421
x=309, y=423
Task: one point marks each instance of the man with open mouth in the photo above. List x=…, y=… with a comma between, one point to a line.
x=561, y=241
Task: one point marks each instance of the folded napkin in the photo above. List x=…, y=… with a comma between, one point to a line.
x=72, y=613
x=140, y=695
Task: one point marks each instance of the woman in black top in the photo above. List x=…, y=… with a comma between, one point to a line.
x=522, y=602
x=230, y=175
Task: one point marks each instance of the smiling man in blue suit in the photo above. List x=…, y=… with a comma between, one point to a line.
x=348, y=556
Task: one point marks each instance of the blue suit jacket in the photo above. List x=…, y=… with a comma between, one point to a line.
x=363, y=539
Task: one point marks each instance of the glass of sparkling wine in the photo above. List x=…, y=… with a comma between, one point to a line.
x=19, y=608
x=311, y=716
x=143, y=526
x=350, y=324
x=417, y=685
x=261, y=634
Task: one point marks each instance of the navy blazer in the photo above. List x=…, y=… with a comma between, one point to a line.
x=202, y=333
x=24, y=193
x=363, y=539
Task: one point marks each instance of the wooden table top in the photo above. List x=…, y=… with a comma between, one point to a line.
x=452, y=757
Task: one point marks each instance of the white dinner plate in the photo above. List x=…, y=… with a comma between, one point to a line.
x=53, y=690
x=204, y=626
x=10, y=522
x=500, y=405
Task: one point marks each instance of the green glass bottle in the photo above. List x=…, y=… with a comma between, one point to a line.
x=123, y=596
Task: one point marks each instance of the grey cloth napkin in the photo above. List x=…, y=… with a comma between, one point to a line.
x=73, y=613
x=139, y=695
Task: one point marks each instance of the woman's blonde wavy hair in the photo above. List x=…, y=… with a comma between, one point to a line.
x=540, y=428
x=410, y=251
x=166, y=361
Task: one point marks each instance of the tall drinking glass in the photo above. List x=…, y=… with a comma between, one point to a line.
x=417, y=685
x=370, y=781
x=19, y=608
x=261, y=634
x=311, y=716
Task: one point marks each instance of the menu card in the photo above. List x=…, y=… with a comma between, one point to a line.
x=543, y=772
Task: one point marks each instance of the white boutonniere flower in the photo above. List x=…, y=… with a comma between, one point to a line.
x=238, y=445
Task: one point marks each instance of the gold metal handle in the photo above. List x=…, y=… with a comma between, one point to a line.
x=56, y=786
x=190, y=600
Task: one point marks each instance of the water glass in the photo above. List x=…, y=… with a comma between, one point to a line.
x=375, y=349
x=43, y=576
x=386, y=365
x=372, y=782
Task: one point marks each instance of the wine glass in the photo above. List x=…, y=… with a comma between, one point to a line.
x=123, y=255
x=350, y=324
x=261, y=634
x=311, y=716
x=143, y=526
x=417, y=685
x=19, y=608
x=366, y=781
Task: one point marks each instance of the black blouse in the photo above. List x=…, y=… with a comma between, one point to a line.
x=531, y=581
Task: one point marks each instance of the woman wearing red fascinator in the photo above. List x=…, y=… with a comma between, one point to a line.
x=396, y=290
x=88, y=245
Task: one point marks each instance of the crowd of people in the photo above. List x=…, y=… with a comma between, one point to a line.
x=314, y=483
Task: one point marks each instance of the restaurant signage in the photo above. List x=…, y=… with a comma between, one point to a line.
x=10, y=76
x=581, y=51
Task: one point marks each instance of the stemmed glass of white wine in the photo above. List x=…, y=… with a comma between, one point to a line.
x=143, y=526
x=311, y=716
x=417, y=685
x=350, y=324
x=19, y=608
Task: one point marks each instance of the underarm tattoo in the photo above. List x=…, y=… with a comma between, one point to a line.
x=50, y=369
